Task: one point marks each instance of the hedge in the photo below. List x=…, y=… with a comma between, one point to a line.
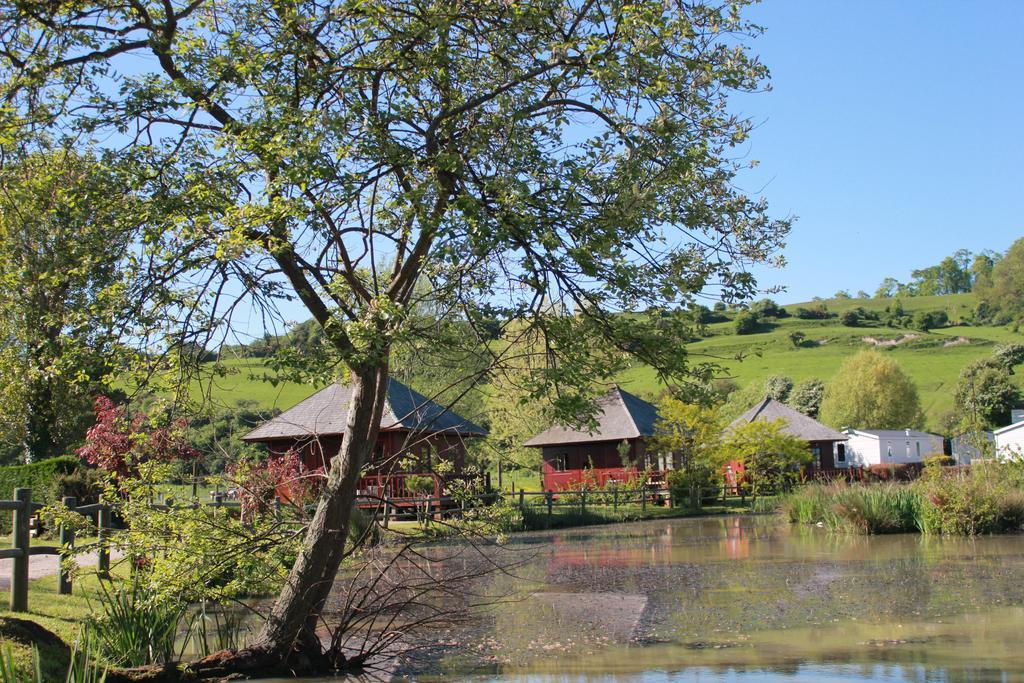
x=40, y=476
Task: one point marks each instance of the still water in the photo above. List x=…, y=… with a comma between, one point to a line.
x=741, y=599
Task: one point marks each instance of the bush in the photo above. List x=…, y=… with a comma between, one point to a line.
x=939, y=460
x=894, y=472
x=819, y=312
x=981, y=500
x=680, y=483
x=768, y=308
x=850, y=318
x=746, y=323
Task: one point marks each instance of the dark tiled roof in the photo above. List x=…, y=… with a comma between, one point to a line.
x=621, y=415
x=325, y=413
x=797, y=424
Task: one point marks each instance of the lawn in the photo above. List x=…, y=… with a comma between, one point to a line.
x=63, y=615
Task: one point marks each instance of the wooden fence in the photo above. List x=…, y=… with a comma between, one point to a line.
x=21, y=549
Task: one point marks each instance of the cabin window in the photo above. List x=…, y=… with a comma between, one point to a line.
x=558, y=462
x=908, y=449
x=888, y=449
x=816, y=454
x=841, y=452
x=918, y=450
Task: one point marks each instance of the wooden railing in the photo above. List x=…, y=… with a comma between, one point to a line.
x=394, y=485
x=22, y=508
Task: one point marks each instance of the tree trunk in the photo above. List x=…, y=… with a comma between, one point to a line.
x=39, y=421
x=291, y=627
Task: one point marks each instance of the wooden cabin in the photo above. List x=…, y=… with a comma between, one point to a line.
x=615, y=451
x=415, y=434
x=827, y=446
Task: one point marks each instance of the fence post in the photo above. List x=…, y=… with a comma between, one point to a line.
x=522, y=500
x=103, y=534
x=615, y=498
x=671, y=499
x=549, y=499
x=583, y=500
x=67, y=540
x=643, y=499
x=387, y=511
x=20, y=541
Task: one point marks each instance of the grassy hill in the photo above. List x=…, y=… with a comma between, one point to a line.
x=932, y=359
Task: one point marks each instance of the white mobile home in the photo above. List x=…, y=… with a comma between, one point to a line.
x=968, y=447
x=868, y=447
x=1010, y=439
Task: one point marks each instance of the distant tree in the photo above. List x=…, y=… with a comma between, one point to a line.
x=807, y=396
x=1009, y=355
x=861, y=294
x=746, y=323
x=778, y=387
x=690, y=436
x=797, y=339
x=981, y=268
x=818, y=312
x=719, y=307
x=842, y=294
x=888, y=288
x=985, y=395
x=870, y=391
x=1005, y=290
x=722, y=388
x=850, y=318
x=771, y=457
x=927, y=320
x=768, y=308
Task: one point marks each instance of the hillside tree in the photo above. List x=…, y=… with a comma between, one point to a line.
x=871, y=391
x=1003, y=291
x=514, y=155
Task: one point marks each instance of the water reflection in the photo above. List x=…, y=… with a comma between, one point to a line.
x=743, y=599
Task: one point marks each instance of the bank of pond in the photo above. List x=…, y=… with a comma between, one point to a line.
x=987, y=498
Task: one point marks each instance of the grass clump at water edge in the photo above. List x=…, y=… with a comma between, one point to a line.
x=887, y=508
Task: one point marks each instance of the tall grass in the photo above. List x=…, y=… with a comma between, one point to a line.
x=83, y=667
x=983, y=499
x=873, y=509
x=135, y=626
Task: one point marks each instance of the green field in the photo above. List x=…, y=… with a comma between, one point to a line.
x=932, y=364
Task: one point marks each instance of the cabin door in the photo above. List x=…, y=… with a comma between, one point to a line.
x=822, y=453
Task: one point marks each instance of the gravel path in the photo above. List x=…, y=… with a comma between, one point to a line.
x=46, y=565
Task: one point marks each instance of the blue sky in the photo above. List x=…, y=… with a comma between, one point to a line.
x=894, y=132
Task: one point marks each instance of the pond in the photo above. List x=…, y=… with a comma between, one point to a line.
x=741, y=599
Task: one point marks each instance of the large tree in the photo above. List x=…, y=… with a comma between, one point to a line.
x=66, y=223
x=871, y=391
x=1003, y=289
x=566, y=163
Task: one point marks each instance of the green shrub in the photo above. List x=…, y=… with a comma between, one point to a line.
x=981, y=500
x=680, y=483
x=939, y=460
x=746, y=323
